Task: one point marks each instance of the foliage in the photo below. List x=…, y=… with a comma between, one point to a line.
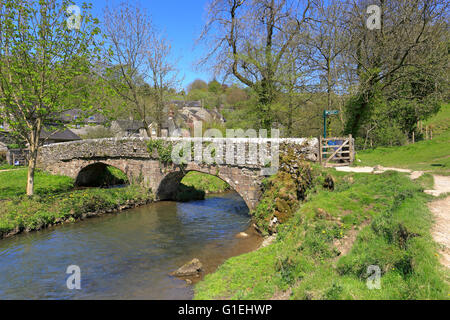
x=303, y=257
x=198, y=84
x=40, y=56
x=5, y=166
x=163, y=148
x=49, y=208
x=205, y=182
x=440, y=122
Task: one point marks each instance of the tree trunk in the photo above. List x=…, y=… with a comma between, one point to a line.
x=34, y=147
x=31, y=170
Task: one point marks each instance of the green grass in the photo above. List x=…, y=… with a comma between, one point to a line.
x=22, y=213
x=205, y=182
x=13, y=183
x=5, y=166
x=394, y=222
x=441, y=121
x=430, y=155
x=426, y=181
x=55, y=200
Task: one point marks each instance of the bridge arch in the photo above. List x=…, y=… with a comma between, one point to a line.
x=132, y=157
x=99, y=174
x=246, y=184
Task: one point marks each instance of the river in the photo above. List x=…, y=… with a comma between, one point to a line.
x=126, y=255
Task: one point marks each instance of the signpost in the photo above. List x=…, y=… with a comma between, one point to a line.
x=326, y=114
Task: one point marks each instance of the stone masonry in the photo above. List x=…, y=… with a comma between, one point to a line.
x=133, y=158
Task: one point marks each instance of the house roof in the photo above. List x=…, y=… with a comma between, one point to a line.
x=182, y=104
x=61, y=135
x=130, y=124
x=72, y=114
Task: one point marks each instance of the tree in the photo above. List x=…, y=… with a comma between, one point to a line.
x=163, y=74
x=326, y=45
x=129, y=31
x=198, y=84
x=234, y=95
x=384, y=59
x=40, y=56
x=215, y=87
x=140, y=70
x=249, y=39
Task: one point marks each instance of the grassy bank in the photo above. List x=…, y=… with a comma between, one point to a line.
x=56, y=202
x=195, y=185
x=382, y=218
x=430, y=155
x=205, y=182
x=13, y=183
x=5, y=166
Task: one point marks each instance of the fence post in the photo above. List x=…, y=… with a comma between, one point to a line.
x=320, y=150
x=352, y=149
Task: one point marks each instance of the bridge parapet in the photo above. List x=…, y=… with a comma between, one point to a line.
x=141, y=166
x=136, y=148
x=95, y=148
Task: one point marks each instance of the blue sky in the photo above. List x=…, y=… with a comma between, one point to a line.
x=182, y=22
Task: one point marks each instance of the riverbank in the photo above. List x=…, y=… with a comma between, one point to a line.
x=124, y=256
x=324, y=250
x=56, y=202
x=26, y=215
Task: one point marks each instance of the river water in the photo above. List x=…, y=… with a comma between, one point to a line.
x=126, y=255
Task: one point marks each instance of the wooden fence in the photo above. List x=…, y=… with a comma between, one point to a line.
x=336, y=151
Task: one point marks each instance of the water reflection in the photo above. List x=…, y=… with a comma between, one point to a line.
x=124, y=256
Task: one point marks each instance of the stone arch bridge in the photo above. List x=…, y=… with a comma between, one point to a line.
x=132, y=156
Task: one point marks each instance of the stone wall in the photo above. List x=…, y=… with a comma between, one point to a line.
x=136, y=148
x=17, y=157
x=132, y=157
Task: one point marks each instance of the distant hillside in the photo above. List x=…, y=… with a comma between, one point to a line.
x=441, y=121
x=430, y=155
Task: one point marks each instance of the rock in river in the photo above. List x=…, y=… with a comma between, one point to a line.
x=191, y=268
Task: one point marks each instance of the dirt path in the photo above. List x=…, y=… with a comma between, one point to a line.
x=440, y=208
x=441, y=212
x=441, y=186
x=379, y=169
x=441, y=228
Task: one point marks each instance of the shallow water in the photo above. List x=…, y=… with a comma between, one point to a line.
x=126, y=255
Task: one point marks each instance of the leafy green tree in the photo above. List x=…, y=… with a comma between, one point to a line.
x=386, y=60
x=215, y=87
x=249, y=40
x=198, y=84
x=40, y=56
